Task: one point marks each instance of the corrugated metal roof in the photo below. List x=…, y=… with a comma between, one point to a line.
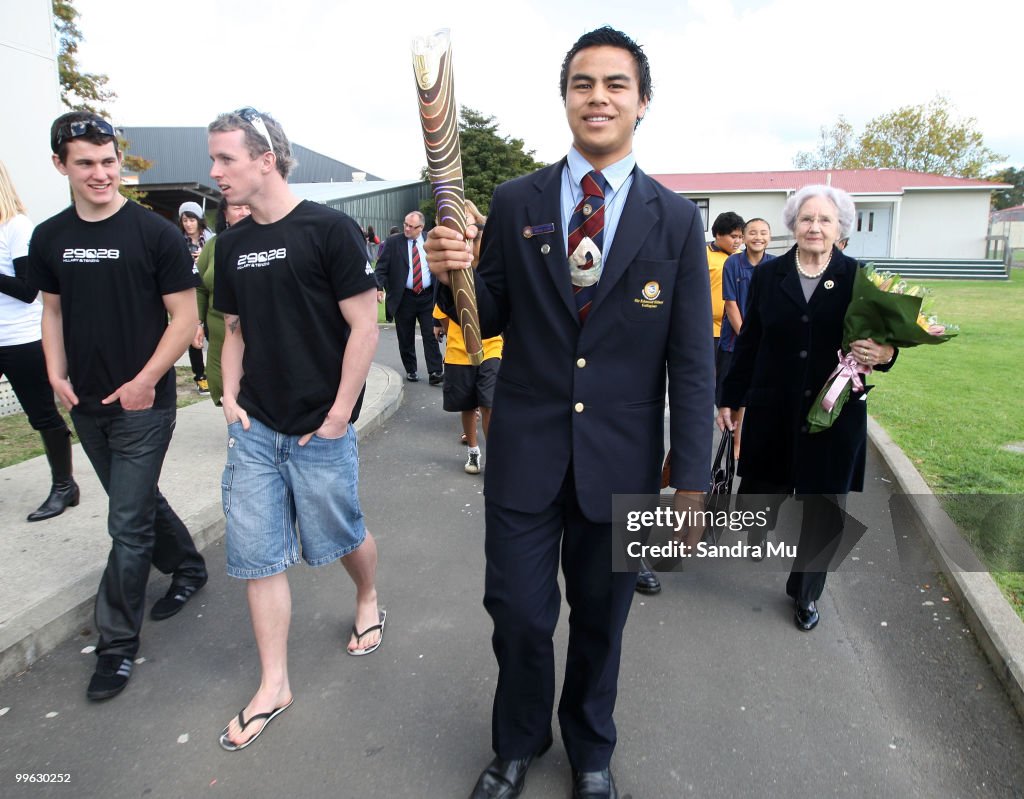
x=180, y=156
x=325, y=192
x=855, y=181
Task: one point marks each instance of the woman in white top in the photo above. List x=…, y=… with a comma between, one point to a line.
x=21, y=351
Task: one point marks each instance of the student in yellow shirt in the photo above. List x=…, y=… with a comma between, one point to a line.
x=728, y=232
x=468, y=387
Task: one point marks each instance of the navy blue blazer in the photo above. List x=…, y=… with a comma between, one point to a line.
x=593, y=396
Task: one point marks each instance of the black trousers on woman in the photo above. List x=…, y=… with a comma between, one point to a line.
x=25, y=367
x=821, y=530
x=195, y=359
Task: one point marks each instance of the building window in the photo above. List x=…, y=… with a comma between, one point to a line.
x=702, y=206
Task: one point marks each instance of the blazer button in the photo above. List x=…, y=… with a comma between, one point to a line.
x=803, y=353
x=805, y=318
x=807, y=392
x=805, y=429
x=578, y=407
x=581, y=362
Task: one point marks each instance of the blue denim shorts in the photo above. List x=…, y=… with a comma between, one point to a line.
x=283, y=502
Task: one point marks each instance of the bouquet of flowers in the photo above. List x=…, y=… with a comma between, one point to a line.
x=888, y=311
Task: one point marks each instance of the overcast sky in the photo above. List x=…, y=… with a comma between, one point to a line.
x=738, y=84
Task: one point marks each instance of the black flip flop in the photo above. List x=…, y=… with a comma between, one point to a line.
x=228, y=745
x=383, y=614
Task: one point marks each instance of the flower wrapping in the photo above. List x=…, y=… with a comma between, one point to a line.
x=887, y=310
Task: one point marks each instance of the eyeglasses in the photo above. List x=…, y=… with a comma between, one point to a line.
x=252, y=116
x=73, y=130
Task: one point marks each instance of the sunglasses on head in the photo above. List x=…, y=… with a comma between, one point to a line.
x=252, y=116
x=73, y=130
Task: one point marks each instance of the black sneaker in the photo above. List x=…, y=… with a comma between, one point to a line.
x=174, y=600
x=110, y=678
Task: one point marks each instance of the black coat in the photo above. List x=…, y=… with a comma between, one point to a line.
x=784, y=354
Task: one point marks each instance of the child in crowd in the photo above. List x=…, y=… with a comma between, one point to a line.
x=736, y=276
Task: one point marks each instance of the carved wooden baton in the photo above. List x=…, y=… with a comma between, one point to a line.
x=432, y=65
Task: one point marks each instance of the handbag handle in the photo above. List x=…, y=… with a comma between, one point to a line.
x=725, y=452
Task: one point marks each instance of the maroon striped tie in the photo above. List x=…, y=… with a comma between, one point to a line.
x=587, y=220
x=417, y=269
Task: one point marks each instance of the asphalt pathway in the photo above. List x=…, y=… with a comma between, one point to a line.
x=720, y=696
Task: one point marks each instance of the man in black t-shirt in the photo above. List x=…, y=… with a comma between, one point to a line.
x=111, y=272
x=298, y=298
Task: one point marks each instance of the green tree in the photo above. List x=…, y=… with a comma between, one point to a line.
x=927, y=138
x=79, y=91
x=87, y=91
x=920, y=138
x=1008, y=198
x=836, y=147
x=487, y=159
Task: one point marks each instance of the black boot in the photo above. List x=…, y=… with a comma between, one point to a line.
x=64, y=490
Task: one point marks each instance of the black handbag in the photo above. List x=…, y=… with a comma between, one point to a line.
x=720, y=486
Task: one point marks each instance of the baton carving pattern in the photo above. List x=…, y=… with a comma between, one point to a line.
x=432, y=66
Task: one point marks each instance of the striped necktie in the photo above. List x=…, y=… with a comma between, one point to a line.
x=587, y=221
x=417, y=269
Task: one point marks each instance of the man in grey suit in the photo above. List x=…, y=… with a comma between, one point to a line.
x=596, y=276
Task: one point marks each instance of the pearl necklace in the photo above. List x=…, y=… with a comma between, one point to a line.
x=805, y=273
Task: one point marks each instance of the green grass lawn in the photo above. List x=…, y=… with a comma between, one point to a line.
x=19, y=442
x=953, y=407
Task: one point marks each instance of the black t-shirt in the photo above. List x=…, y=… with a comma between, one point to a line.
x=111, y=276
x=284, y=281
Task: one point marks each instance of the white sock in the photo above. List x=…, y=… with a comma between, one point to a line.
x=475, y=449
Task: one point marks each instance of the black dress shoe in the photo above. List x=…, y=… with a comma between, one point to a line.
x=806, y=616
x=594, y=785
x=435, y=378
x=505, y=779
x=647, y=582
x=412, y=377
x=63, y=494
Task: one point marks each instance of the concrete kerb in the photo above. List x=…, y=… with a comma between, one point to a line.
x=997, y=628
x=43, y=626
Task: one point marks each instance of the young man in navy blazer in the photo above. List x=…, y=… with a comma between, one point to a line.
x=579, y=406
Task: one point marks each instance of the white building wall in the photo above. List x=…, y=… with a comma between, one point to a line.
x=943, y=224
x=766, y=205
x=28, y=60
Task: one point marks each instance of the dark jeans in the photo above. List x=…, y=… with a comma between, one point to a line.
x=25, y=368
x=413, y=308
x=127, y=451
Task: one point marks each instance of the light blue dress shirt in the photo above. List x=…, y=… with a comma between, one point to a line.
x=427, y=277
x=619, y=177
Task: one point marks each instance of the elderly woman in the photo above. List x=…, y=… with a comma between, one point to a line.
x=785, y=353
